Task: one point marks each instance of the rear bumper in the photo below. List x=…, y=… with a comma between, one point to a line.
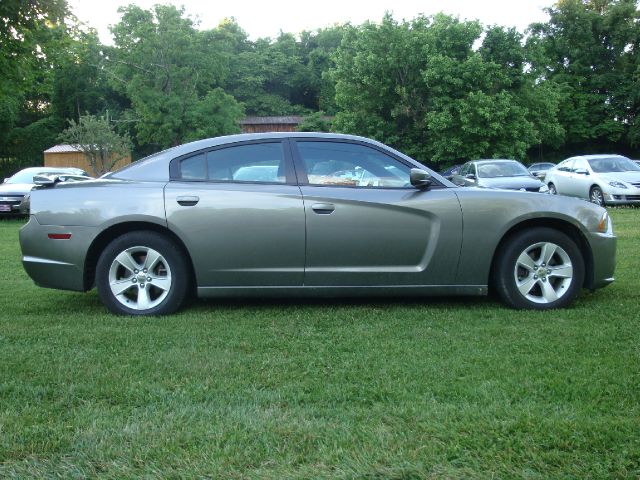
x=55, y=263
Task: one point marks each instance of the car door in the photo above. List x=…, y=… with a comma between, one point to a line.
x=581, y=179
x=366, y=224
x=240, y=213
x=562, y=177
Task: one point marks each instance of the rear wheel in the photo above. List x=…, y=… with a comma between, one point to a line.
x=142, y=273
x=539, y=269
x=596, y=195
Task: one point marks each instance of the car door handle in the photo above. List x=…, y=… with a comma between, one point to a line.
x=323, y=208
x=188, y=201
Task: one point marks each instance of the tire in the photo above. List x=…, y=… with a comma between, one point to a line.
x=142, y=273
x=552, y=189
x=539, y=269
x=596, y=196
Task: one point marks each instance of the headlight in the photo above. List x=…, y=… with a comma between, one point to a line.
x=605, y=225
x=617, y=184
x=544, y=189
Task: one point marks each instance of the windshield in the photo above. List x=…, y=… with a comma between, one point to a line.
x=613, y=164
x=501, y=169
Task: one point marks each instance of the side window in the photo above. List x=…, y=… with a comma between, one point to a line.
x=580, y=164
x=352, y=165
x=565, y=166
x=194, y=168
x=259, y=162
x=466, y=168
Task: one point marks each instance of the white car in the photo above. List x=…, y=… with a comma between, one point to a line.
x=602, y=179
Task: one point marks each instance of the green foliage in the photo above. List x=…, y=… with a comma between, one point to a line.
x=590, y=50
x=316, y=122
x=167, y=69
x=97, y=139
x=422, y=87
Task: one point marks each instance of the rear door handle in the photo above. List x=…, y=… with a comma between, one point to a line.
x=188, y=201
x=323, y=208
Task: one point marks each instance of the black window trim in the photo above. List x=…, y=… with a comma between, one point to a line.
x=290, y=173
x=301, y=170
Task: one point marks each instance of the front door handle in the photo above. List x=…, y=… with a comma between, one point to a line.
x=188, y=200
x=323, y=208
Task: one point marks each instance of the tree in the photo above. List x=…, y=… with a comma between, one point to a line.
x=590, y=50
x=422, y=87
x=167, y=69
x=97, y=139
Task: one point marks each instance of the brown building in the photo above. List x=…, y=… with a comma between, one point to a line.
x=270, y=124
x=69, y=156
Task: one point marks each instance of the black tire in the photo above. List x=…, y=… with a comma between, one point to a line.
x=552, y=189
x=546, y=286
x=166, y=282
x=596, y=196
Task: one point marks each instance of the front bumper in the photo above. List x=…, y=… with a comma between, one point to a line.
x=620, y=196
x=10, y=205
x=603, y=247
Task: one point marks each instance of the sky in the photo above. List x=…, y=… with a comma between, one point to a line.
x=262, y=18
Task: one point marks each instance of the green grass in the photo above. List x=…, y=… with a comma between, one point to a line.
x=402, y=389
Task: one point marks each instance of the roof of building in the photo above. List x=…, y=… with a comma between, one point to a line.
x=63, y=148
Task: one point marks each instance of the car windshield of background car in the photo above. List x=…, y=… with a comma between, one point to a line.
x=502, y=169
x=613, y=164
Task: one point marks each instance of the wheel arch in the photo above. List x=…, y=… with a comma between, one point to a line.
x=563, y=226
x=114, y=231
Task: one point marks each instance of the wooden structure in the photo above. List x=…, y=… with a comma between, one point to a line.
x=69, y=156
x=270, y=124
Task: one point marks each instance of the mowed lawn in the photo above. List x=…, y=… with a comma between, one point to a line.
x=432, y=388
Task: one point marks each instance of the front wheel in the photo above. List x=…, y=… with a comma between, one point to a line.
x=596, y=196
x=142, y=273
x=539, y=269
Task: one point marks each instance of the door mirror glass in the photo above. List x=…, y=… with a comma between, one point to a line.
x=419, y=178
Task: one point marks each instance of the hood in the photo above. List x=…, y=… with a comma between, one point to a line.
x=511, y=183
x=15, y=188
x=629, y=177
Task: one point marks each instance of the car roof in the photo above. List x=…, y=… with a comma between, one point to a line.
x=594, y=157
x=145, y=167
x=493, y=160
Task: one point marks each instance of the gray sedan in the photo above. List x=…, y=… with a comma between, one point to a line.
x=506, y=174
x=307, y=215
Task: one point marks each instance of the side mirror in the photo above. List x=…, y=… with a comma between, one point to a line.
x=470, y=176
x=582, y=171
x=419, y=178
x=45, y=180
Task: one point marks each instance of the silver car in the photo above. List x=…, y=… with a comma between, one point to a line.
x=16, y=187
x=303, y=214
x=602, y=179
x=499, y=173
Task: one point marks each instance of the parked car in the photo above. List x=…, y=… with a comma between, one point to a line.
x=450, y=172
x=539, y=170
x=602, y=179
x=505, y=174
x=14, y=188
x=342, y=216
